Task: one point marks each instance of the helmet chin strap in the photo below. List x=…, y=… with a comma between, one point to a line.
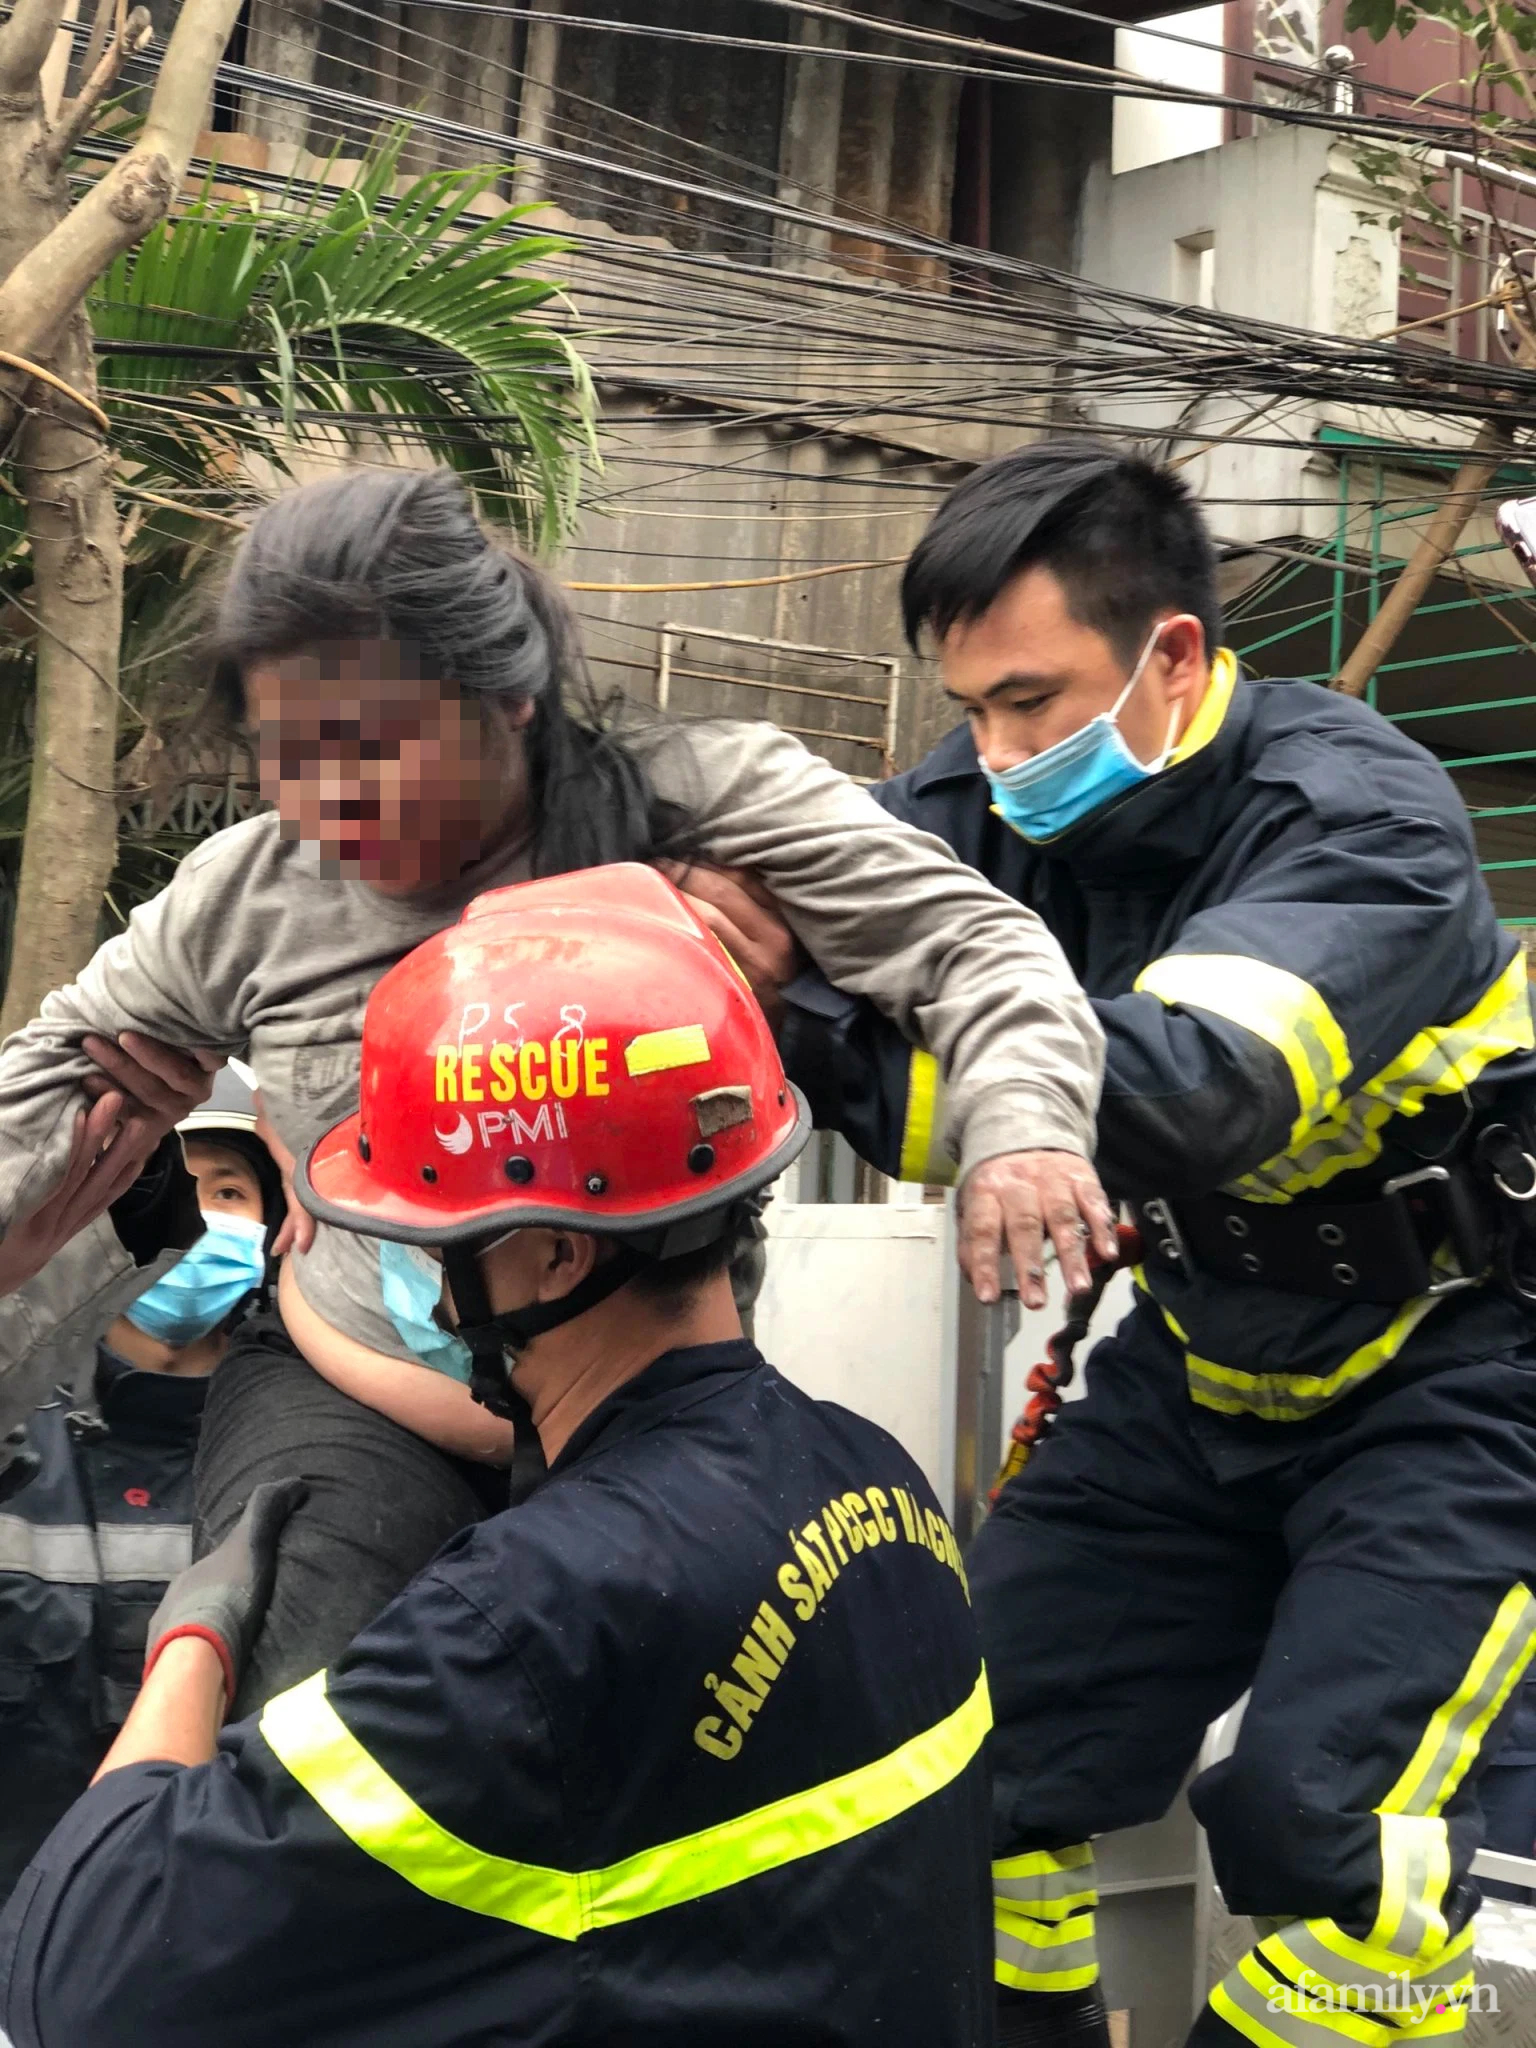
x=494, y=1338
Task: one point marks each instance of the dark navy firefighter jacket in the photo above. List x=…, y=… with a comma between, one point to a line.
x=686, y=1749
x=1304, y=991
x=86, y=1549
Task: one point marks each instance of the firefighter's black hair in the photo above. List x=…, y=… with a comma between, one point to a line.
x=1124, y=538
x=247, y=1146
x=670, y=1284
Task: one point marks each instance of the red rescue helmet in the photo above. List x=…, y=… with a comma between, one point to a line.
x=580, y=1053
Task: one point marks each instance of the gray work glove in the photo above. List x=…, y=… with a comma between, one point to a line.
x=223, y=1597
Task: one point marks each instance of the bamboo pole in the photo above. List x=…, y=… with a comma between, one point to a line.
x=1488, y=452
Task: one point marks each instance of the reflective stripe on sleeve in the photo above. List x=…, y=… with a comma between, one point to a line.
x=1042, y=1918
x=1271, y=2013
x=1279, y=1007
x=1442, y=1060
x=1415, y=1842
x=313, y=1743
x=1048, y=1884
x=1415, y=1877
x=1030, y=1956
x=923, y=1157
x=1317, y=1955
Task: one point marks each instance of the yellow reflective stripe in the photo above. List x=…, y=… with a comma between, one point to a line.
x=1067, y=1907
x=1318, y=1954
x=1270, y=2013
x=1021, y=1977
x=1032, y=1957
x=1042, y=1912
x=1415, y=1842
x=1415, y=1878
x=1044, y=1862
x=658, y=1052
x=1279, y=1007
x=1214, y=705
x=1455, y=1732
x=313, y=1743
x=1451, y=2020
x=1046, y=1884
x=923, y=1157
x=1292, y=1396
x=1443, y=1060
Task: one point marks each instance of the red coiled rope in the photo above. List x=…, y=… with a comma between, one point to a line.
x=1046, y=1381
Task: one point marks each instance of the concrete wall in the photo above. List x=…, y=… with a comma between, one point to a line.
x=1296, y=238
x=1152, y=131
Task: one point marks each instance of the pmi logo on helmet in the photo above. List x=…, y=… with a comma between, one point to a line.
x=540, y=1127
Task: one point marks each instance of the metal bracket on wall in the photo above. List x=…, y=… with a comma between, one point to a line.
x=832, y=661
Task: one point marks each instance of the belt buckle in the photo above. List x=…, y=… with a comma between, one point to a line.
x=1440, y=1177
x=1170, y=1245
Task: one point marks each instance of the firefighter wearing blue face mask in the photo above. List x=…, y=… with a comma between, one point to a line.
x=88, y=1545
x=228, y=1263
x=411, y=1284
x=1305, y=1462
x=1047, y=793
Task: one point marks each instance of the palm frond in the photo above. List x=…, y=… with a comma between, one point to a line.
x=242, y=333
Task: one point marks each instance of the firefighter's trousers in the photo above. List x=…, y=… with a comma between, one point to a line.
x=1370, y=1583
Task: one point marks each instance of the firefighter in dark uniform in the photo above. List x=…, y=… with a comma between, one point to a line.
x=1306, y=1462
x=686, y=1748
x=104, y=1521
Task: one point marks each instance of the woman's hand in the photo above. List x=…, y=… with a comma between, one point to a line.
x=1013, y=1203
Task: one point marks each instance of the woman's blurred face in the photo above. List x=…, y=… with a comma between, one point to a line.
x=386, y=771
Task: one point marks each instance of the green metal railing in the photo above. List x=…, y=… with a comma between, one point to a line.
x=1288, y=626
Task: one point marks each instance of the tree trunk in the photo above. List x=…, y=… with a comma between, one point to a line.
x=71, y=841
x=284, y=41
x=50, y=253
x=63, y=467
x=1490, y=449
x=536, y=107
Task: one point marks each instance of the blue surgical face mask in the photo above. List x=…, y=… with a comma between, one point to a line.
x=412, y=1287
x=228, y=1262
x=1045, y=795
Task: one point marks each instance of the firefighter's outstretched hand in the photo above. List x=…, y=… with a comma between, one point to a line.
x=223, y=1597
x=102, y=1166
x=749, y=924
x=1014, y=1203
x=159, y=1084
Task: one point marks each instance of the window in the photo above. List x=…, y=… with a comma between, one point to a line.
x=1194, y=269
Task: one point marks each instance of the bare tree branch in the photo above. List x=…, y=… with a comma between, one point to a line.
x=51, y=279
x=108, y=13
x=45, y=376
x=25, y=42
x=81, y=110
x=1509, y=55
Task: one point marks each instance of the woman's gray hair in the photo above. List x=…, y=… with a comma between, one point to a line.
x=399, y=556
x=394, y=555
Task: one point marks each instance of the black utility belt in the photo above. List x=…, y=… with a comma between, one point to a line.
x=1381, y=1250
